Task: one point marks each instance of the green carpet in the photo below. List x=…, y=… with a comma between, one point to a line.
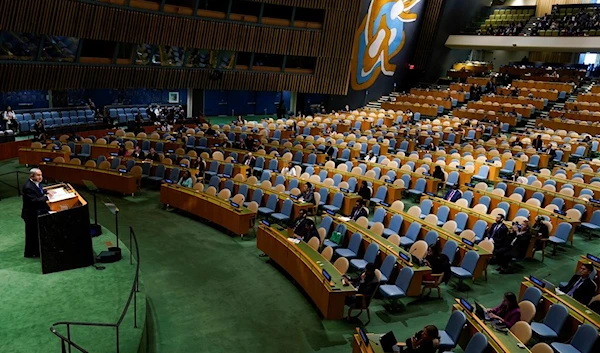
x=32, y=302
x=209, y=292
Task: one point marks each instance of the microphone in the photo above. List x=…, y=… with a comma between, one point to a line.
x=546, y=276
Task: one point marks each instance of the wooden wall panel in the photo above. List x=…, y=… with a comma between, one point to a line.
x=551, y=57
x=312, y=4
x=545, y=6
x=19, y=76
x=433, y=11
x=98, y=21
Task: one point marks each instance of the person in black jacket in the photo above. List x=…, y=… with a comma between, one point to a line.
x=359, y=210
x=364, y=191
x=581, y=286
x=329, y=150
x=34, y=204
x=538, y=143
x=366, y=284
x=138, y=153
x=425, y=341
x=300, y=224
x=516, y=249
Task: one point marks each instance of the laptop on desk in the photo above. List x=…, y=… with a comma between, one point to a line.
x=481, y=312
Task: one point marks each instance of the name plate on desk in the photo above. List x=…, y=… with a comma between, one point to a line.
x=471, y=185
x=110, y=133
x=460, y=167
x=467, y=242
x=234, y=205
x=593, y=258
x=57, y=148
x=216, y=145
x=294, y=197
x=537, y=282
x=595, y=201
x=344, y=190
x=114, y=154
x=560, y=212
x=168, y=181
x=183, y=165
x=123, y=171
x=266, y=223
x=226, y=176
x=430, y=194
x=326, y=275
x=465, y=304
x=331, y=212
x=383, y=203
x=404, y=256
x=173, y=139
x=170, y=151
x=47, y=159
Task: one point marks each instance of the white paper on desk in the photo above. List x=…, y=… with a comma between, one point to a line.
x=345, y=219
x=558, y=291
x=59, y=194
x=294, y=240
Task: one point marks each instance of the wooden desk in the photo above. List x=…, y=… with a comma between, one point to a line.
x=386, y=248
x=578, y=313
x=394, y=191
x=587, y=176
x=432, y=184
x=443, y=237
x=576, y=185
x=211, y=208
x=110, y=180
x=35, y=156
x=569, y=126
x=97, y=150
x=497, y=341
x=555, y=218
x=305, y=265
x=570, y=201
x=358, y=345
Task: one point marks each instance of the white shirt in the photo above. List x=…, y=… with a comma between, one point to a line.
x=372, y=159
x=289, y=171
x=9, y=115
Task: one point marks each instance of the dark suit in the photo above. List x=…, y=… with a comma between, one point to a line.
x=498, y=232
x=537, y=144
x=34, y=204
x=137, y=155
x=249, y=161
x=585, y=291
x=358, y=212
x=453, y=195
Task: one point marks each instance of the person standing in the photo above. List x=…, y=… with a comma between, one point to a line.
x=34, y=204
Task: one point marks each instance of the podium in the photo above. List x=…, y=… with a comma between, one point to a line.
x=64, y=233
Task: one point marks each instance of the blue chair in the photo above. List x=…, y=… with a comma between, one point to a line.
x=269, y=209
x=212, y=170
x=130, y=163
x=379, y=195
x=470, y=135
x=351, y=184
x=259, y=165
x=461, y=221
x=449, y=335
x=266, y=175
x=586, y=192
x=442, y=215
x=86, y=151
x=479, y=229
x=279, y=180
x=450, y=139
x=336, y=204
x=532, y=294
x=534, y=162
x=560, y=203
x=286, y=212
x=419, y=188
x=337, y=179
x=398, y=290
x=583, y=341
x=412, y=233
x=159, y=174
x=340, y=228
x=394, y=226
x=539, y=196
x=450, y=250
x=452, y=178
x=468, y=195
x=353, y=248
x=324, y=192
x=425, y=207
x=482, y=173
x=387, y=266
x=227, y=170
x=466, y=269
x=478, y=343
x=214, y=182
x=501, y=185
x=378, y=216
x=326, y=223
x=323, y=175
x=561, y=235
x=242, y=190
x=345, y=157
x=593, y=224
x=369, y=258
x=274, y=165
x=550, y=328
x=509, y=167
x=431, y=238
x=579, y=153
x=298, y=157
x=311, y=161
x=257, y=196
x=522, y=212
x=174, y=175
x=115, y=163
x=485, y=200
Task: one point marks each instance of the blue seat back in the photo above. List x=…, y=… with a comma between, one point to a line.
x=352, y=184
x=461, y=220
x=260, y=162
x=479, y=228
x=532, y=294
x=509, y=165
x=326, y=224
x=478, y=343
x=355, y=241
x=272, y=202
x=470, y=261
x=381, y=192
x=279, y=180
x=338, y=199
x=337, y=179
x=396, y=223
x=523, y=213
x=229, y=185
x=468, y=195
x=413, y=231
x=595, y=218
x=455, y=325
x=404, y=278
x=379, y=215
x=243, y=190
x=421, y=184
x=312, y=159
x=452, y=178
x=159, y=171
x=214, y=181
x=563, y=230
x=371, y=253
x=556, y=317
x=388, y=265
x=273, y=164
x=323, y=175
x=298, y=156
x=257, y=196
x=425, y=206
x=442, y=213
x=585, y=338
x=324, y=192
x=228, y=169
x=483, y=170
x=286, y=209
x=266, y=175
x=450, y=249
x=431, y=238
x=485, y=200
x=538, y=196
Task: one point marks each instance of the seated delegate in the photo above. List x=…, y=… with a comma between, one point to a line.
x=581, y=287
x=366, y=284
x=185, y=180
x=424, y=341
x=508, y=312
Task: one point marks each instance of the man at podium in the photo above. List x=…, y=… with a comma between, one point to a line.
x=34, y=204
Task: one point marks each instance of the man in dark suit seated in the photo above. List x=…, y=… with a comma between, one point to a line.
x=359, y=210
x=454, y=194
x=34, y=204
x=138, y=153
x=581, y=287
x=250, y=161
x=329, y=150
x=153, y=156
x=498, y=233
x=300, y=224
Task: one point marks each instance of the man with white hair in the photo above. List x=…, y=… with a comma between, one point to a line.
x=34, y=204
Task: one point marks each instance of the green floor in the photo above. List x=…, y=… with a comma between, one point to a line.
x=32, y=302
x=209, y=292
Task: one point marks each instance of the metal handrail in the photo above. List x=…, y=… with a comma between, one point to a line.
x=18, y=187
x=67, y=342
